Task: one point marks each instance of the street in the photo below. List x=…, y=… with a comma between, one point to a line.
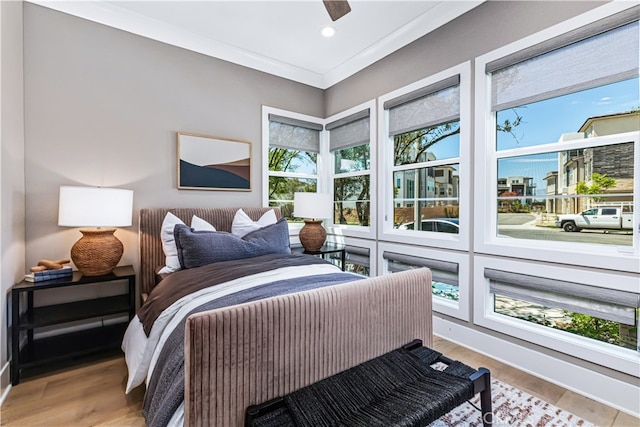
x=522, y=226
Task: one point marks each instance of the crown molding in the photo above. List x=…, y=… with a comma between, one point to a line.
x=113, y=16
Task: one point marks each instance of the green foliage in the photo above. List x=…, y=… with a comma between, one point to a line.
x=284, y=160
x=600, y=182
x=509, y=126
x=593, y=327
x=412, y=147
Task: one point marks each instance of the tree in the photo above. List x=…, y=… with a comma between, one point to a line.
x=353, y=188
x=284, y=160
x=411, y=147
x=599, y=184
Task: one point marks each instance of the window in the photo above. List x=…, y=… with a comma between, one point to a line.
x=561, y=137
x=448, y=272
x=426, y=155
x=292, y=157
x=560, y=308
x=350, y=148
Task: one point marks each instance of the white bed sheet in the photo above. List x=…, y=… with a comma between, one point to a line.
x=141, y=352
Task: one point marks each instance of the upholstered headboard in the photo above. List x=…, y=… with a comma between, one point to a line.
x=151, y=254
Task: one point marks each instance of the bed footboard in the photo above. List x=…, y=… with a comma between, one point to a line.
x=250, y=353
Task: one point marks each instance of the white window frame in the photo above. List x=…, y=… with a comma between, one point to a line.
x=367, y=232
x=614, y=357
x=363, y=243
x=320, y=177
x=386, y=232
x=459, y=309
x=485, y=238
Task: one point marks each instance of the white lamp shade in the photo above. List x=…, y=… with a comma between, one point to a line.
x=95, y=207
x=312, y=205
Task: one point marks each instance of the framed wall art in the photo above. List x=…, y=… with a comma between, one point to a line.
x=212, y=163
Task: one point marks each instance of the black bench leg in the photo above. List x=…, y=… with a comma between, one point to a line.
x=485, y=398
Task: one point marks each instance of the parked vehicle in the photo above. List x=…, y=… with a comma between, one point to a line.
x=599, y=218
x=442, y=225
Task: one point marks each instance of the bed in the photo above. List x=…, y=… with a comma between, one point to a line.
x=212, y=339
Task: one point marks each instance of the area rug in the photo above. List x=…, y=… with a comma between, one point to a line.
x=511, y=407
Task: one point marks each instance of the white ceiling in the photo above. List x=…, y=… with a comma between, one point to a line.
x=278, y=37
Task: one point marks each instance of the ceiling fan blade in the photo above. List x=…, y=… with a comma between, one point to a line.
x=337, y=8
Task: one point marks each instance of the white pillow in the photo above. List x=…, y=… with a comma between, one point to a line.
x=199, y=224
x=172, y=263
x=169, y=244
x=243, y=225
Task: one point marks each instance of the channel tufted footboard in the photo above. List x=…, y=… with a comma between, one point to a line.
x=250, y=353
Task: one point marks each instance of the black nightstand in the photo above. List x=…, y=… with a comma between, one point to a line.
x=327, y=249
x=36, y=355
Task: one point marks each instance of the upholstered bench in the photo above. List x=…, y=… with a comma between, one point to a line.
x=399, y=388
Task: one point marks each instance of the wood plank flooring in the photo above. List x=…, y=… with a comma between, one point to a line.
x=93, y=395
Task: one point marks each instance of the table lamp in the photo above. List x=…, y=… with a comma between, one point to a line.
x=314, y=207
x=98, y=251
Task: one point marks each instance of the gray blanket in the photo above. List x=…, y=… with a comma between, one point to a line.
x=165, y=391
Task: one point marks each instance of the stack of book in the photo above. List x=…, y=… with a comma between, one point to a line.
x=41, y=276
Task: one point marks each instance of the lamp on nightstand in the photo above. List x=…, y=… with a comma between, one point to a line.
x=314, y=207
x=98, y=251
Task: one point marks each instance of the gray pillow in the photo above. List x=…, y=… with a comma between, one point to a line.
x=196, y=248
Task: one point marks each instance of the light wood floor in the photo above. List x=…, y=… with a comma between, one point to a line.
x=93, y=395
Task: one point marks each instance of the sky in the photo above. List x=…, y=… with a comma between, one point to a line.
x=545, y=121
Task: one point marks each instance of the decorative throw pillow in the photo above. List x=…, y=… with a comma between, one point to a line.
x=168, y=240
x=242, y=224
x=200, y=224
x=197, y=248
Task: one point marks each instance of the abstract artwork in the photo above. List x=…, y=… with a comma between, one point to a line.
x=211, y=163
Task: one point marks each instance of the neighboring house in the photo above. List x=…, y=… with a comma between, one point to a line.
x=615, y=161
x=552, y=204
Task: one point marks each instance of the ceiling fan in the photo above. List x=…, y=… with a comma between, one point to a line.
x=337, y=8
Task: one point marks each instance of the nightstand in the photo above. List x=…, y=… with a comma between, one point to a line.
x=40, y=354
x=327, y=249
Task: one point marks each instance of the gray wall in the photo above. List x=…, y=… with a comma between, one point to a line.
x=102, y=108
x=491, y=25
x=483, y=29
x=12, y=190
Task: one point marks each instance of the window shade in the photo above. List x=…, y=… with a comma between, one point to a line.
x=579, y=60
x=441, y=271
x=349, y=131
x=431, y=105
x=357, y=255
x=608, y=304
x=294, y=134
x=354, y=255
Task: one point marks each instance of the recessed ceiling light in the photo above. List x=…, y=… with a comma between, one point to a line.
x=328, y=31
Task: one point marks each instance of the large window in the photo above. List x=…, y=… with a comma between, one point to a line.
x=349, y=144
x=292, y=158
x=427, y=158
x=561, y=146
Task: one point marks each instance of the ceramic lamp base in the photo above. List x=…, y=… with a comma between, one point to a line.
x=97, y=252
x=312, y=235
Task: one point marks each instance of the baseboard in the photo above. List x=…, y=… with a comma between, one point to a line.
x=5, y=382
x=612, y=392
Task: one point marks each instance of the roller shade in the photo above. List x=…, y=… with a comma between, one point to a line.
x=428, y=106
x=594, y=55
x=349, y=131
x=441, y=271
x=608, y=304
x=294, y=134
x=357, y=255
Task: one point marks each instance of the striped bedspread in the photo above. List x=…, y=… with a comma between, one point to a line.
x=154, y=341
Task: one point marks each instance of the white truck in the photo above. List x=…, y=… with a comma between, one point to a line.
x=599, y=218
